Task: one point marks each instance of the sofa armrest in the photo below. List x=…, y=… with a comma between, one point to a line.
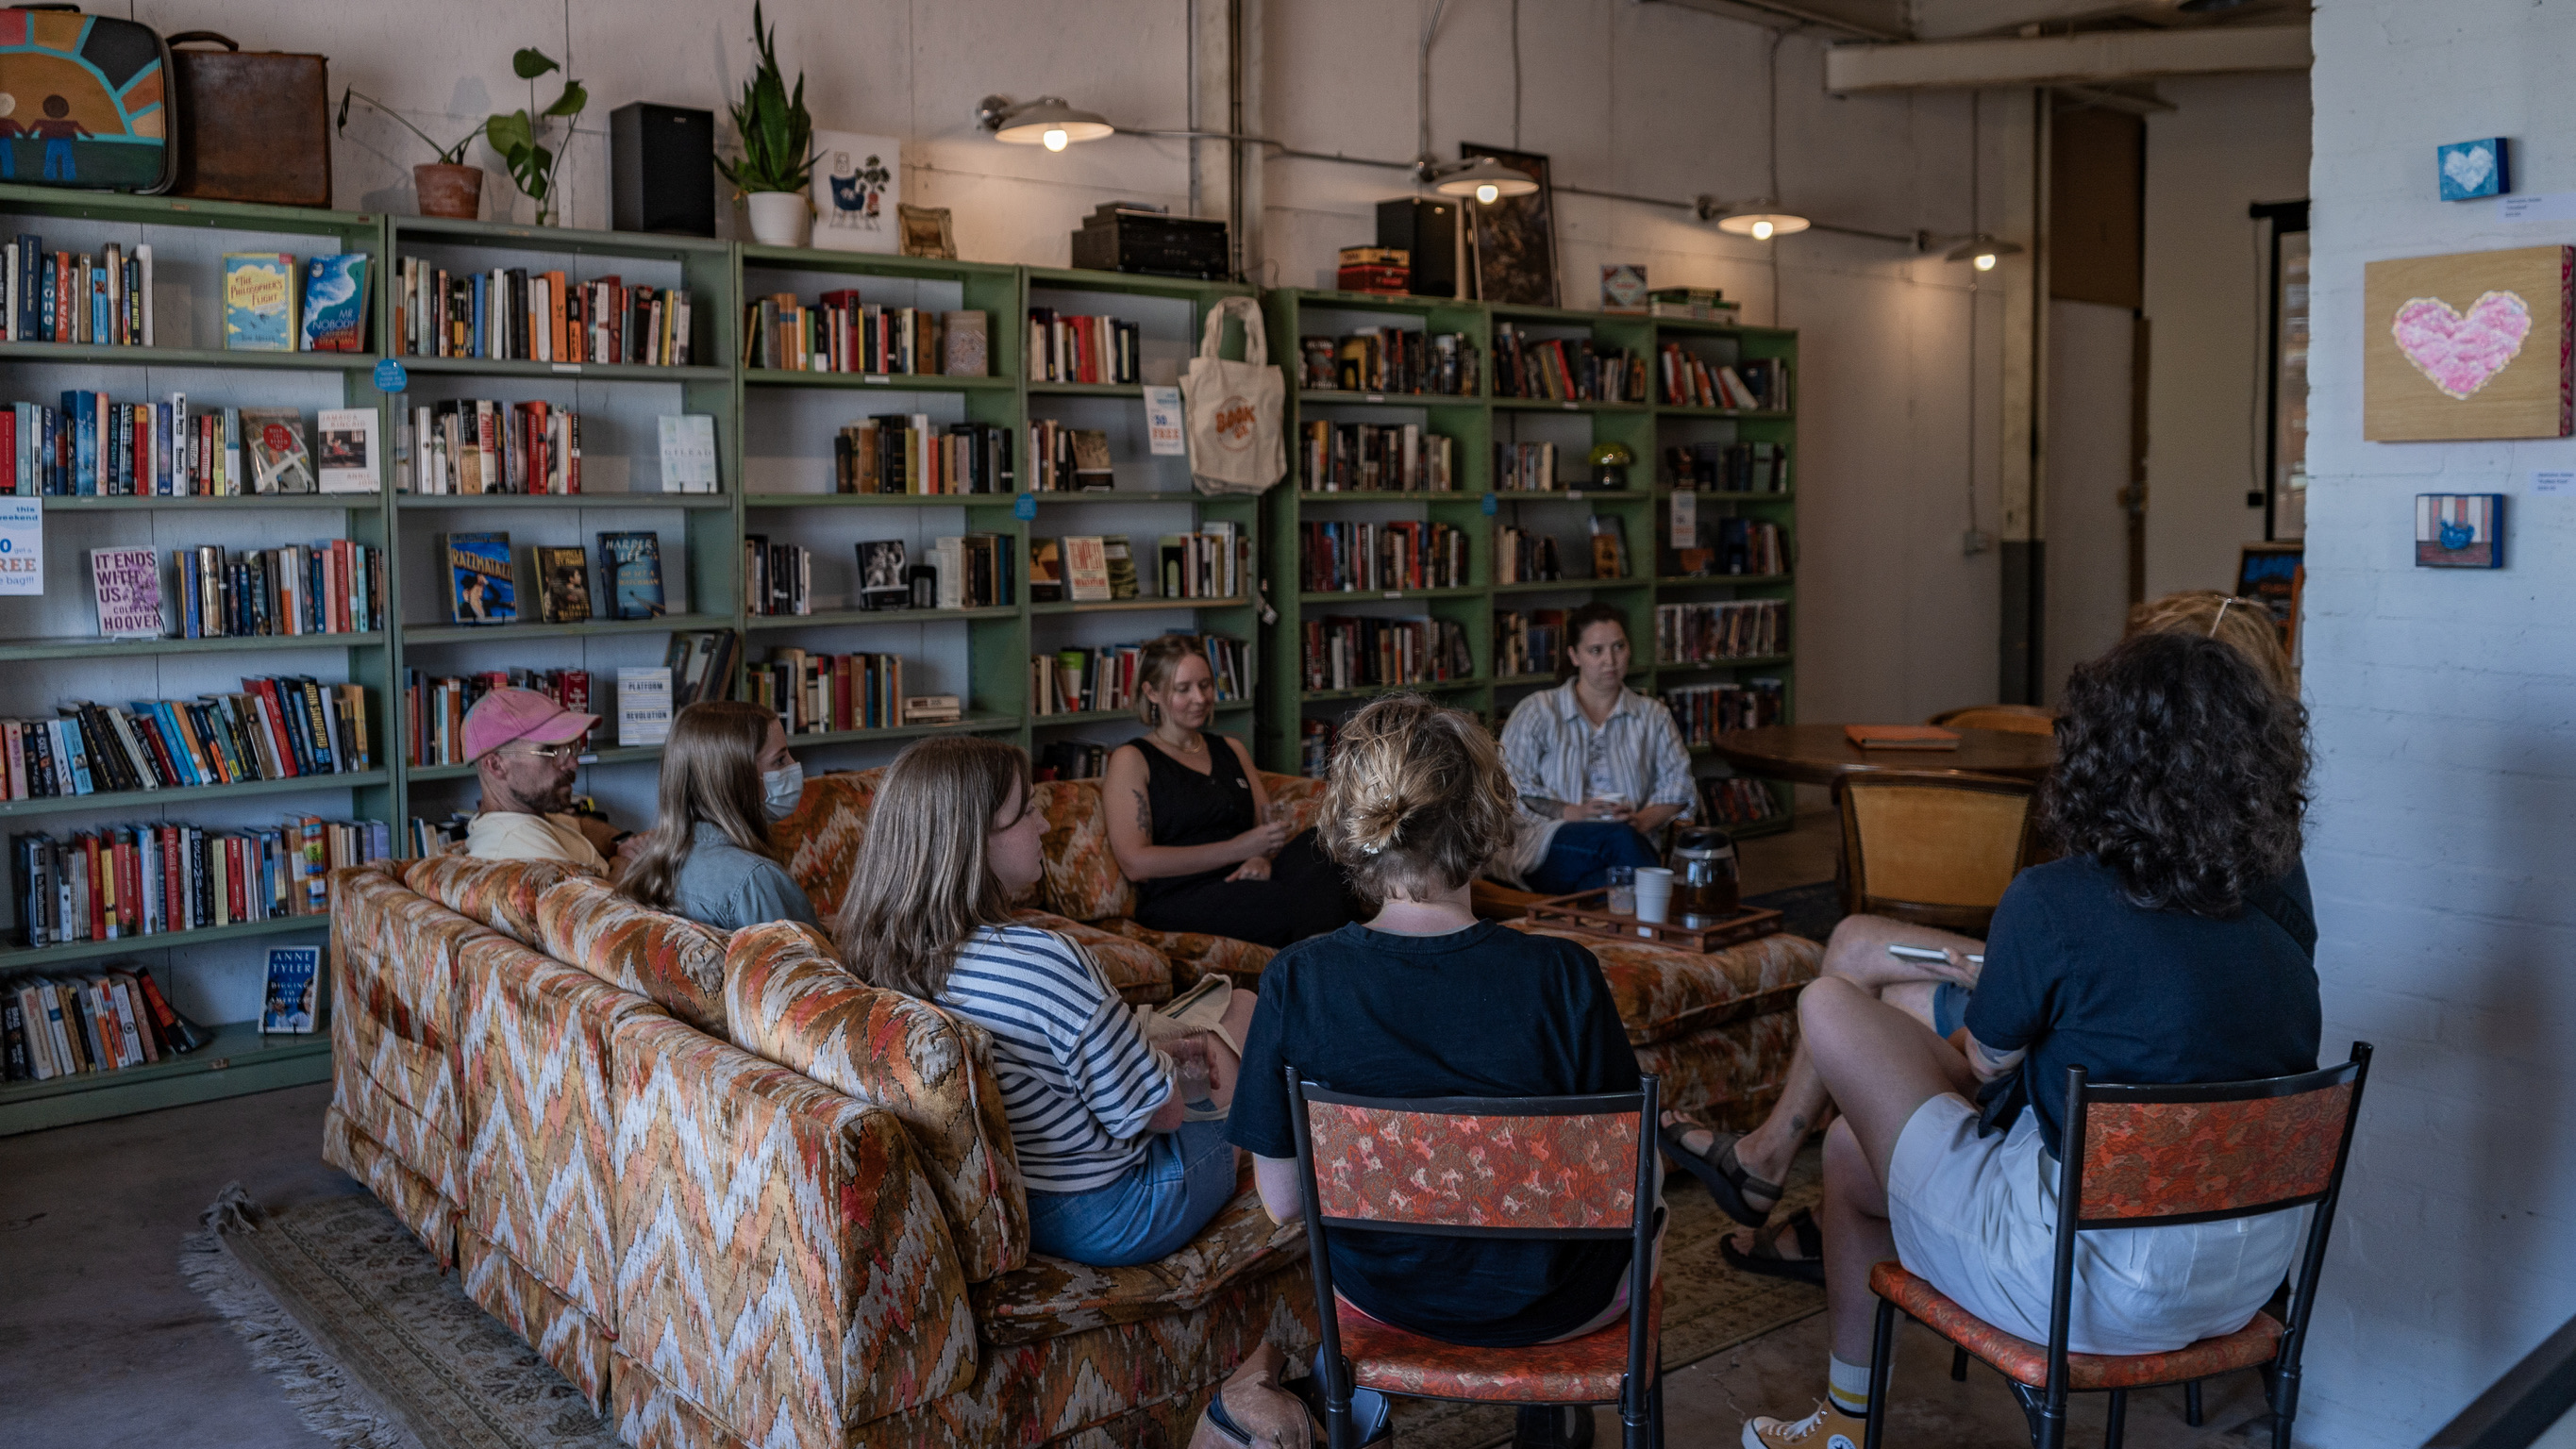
x=782, y=1264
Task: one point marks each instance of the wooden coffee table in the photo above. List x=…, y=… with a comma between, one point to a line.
x=1819, y=754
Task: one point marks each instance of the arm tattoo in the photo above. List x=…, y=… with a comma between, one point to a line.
x=1144, y=817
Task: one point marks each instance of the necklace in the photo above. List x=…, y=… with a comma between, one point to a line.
x=1190, y=746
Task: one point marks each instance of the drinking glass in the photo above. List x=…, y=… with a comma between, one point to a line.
x=1623, y=890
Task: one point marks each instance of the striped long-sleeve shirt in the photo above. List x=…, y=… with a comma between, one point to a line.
x=1078, y=1081
x=1556, y=754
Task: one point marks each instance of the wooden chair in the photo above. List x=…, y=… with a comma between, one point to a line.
x=2019, y=719
x=1576, y=1168
x=1934, y=847
x=2136, y=1157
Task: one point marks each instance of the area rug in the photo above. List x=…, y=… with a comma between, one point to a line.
x=378, y=1349
x=1808, y=910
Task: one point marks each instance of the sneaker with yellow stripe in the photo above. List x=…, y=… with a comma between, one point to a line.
x=1827, y=1428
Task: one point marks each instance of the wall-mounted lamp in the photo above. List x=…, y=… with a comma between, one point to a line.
x=1482, y=177
x=1979, y=250
x=1046, y=121
x=1760, y=219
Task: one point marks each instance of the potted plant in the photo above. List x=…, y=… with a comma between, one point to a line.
x=447, y=186
x=520, y=135
x=1610, y=464
x=777, y=147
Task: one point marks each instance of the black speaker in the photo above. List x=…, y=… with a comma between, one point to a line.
x=662, y=169
x=1429, y=230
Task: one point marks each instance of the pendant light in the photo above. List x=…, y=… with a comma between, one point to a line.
x=1761, y=219
x=1982, y=251
x=1481, y=177
x=1047, y=121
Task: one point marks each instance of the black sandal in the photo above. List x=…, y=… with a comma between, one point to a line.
x=1727, y=1179
x=1765, y=1258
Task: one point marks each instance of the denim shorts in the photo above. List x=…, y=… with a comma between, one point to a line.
x=1150, y=1212
x=1949, y=1007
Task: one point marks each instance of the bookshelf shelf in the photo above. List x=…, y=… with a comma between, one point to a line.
x=1750, y=415
x=86, y=354
x=1698, y=581
x=569, y=371
x=1565, y=405
x=1132, y=606
x=13, y=649
x=1360, y=596
x=759, y=623
x=528, y=629
x=1388, y=495
x=239, y=1060
x=252, y=502
x=715, y=501
x=70, y=951
x=1088, y=389
x=185, y=796
x=1391, y=399
x=1372, y=691
x=875, y=381
x=1111, y=495
x=1558, y=586
x=1571, y=495
x=1716, y=496
x=878, y=500
x=614, y=755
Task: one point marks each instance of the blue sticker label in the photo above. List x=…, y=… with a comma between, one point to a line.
x=1025, y=507
x=390, y=376
x=1493, y=505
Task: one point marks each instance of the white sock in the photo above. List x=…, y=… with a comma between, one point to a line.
x=1849, y=1384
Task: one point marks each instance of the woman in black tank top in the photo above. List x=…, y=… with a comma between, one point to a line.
x=1188, y=822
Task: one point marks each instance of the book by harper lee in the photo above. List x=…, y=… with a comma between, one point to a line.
x=126, y=583
x=630, y=564
x=480, y=586
x=294, y=989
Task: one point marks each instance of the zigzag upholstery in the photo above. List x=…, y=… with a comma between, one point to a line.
x=674, y=962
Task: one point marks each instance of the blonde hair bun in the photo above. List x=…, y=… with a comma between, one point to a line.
x=1416, y=800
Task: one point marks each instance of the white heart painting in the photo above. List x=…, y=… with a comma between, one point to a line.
x=2458, y=353
x=2469, y=167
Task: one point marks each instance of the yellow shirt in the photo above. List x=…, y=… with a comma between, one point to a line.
x=510, y=835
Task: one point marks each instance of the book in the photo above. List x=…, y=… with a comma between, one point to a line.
x=932, y=709
x=126, y=584
x=294, y=989
x=481, y=587
x=643, y=705
x=630, y=569
x=563, y=585
x=1901, y=737
x=1046, y=571
x=1609, y=546
x=1623, y=288
x=275, y=440
x=335, y=303
x=260, y=294
x=688, y=453
x=1086, y=562
x=1121, y=561
x=964, y=343
x=1091, y=467
x=347, y=450
x=885, y=570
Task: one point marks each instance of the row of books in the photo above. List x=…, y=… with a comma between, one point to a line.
x=1390, y=359
x=274, y=304
x=485, y=445
x=1526, y=468
x=841, y=333
x=1064, y=347
x=513, y=313
x=125, y=881
x=1706, y=304
x=1528, y=641
x=1525, y=556
x=824, y=693
x=1735, y=546
x=104, y=1019
x=908, y=453
x=95, y=446
x=1735, y=800
x=482, y=579
x=1400, y=554
x=434, y=707
x=1565, y=370
x=275, y=728
x=103, y=299
x=1088, y=568
x=1756, y=384
x=1343, y=652
x=1067, y=459
x=1378, y=458
x=1705, y=633
x=1704, y=711
x=1728, y=467
x=1073, y=681
x=330, y=586
x=778, y=578
x=1315, y=741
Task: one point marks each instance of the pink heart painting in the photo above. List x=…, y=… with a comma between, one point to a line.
x=2462, y=354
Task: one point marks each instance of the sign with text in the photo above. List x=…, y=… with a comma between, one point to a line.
x=22, y=546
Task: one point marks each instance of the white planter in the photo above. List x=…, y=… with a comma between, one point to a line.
x=779, y=218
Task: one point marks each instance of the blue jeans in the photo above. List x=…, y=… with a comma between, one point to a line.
x=1580, y=855
x=1150, y=1213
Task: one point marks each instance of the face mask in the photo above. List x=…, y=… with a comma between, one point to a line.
x=781, y=789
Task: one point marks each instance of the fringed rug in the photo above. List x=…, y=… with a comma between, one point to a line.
x=378, y=1349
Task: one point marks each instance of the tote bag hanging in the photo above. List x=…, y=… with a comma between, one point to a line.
x=1233, y=408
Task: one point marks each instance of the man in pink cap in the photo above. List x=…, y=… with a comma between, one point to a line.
x=524, y=747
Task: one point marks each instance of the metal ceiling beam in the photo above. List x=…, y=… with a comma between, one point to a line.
x=1953, y=19
x=2100, y=57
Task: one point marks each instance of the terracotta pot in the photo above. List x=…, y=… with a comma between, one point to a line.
x=779, y=218
x=450, y=191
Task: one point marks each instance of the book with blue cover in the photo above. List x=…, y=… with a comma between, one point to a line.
x=260, y=294
x=294, y=989
x=631, y=565
x=335, y=303
x=481, y=588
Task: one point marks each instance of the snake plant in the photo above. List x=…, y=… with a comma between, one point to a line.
x=777, y=131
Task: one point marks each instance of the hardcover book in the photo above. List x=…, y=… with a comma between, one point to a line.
x=294, y=989
x=885, y=574
x=630, y=568
x=278, y=460
x=1091, y=467
x=963, y=336
x=335, y=303
x=126, y=583
x=1121, y=561
x=260, y=294
x=1086, y=563
x=348, y=456
x=1046, y=571
x=480, y=586
x=563, y=585
x=688, y=453
x=643, y=705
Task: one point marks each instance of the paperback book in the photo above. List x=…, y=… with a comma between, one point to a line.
x=688, y=453
x=348, y=456
x=1086, y=562
x=294, y=989
x=260, y=295
x=278, y=460
x=563, y=585
x=480, y=586
x=643, y=705
x=126, y=584
x=335, y=303
x=630, y=568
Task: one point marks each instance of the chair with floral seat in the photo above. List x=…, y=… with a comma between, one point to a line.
x=2140, y=1156
x=1505, y=1167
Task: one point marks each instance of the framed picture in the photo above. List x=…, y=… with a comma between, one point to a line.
x=858, y=183
x=2471, y=169
x=1513, y=240
x=2459, y=530
x=926, y=231
x=2276, y=574
x=2470, y=345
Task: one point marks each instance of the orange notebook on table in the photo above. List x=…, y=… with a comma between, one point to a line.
x=1901, y=737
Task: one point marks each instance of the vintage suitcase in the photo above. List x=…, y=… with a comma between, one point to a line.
x=84, y=101
x=256, y=125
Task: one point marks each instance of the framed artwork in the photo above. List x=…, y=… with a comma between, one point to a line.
x=2471, y=169
x=2276, y=574
x=858, y=183
x=925, y=231
x=2459, y=530
x=2471, y=345
x=1514, y=239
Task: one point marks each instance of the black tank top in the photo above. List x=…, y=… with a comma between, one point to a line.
x=1194, y=809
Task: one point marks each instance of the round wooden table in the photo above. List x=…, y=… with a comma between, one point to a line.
x=1819, y=754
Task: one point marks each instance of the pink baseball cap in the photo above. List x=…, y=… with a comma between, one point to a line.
x=520, y=714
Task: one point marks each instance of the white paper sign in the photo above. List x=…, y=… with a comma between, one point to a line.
x=1685, y=520
x=22, y=546
x=2562, y=482
x=1163, y=422
x=2556, y=206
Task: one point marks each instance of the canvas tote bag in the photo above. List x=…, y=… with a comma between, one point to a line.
x=1233, y=408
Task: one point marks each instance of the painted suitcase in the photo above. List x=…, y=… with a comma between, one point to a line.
x=84, y=102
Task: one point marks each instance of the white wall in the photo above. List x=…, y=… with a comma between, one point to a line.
x=2092, y=350
x=2230, y=141
x=2443, y=846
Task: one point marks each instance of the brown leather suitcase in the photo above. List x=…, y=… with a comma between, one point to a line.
x=253, y=125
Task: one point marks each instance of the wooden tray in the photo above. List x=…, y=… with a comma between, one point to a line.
x=1588, y=912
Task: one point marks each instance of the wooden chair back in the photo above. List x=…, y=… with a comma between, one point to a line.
x=2018, y=719
x=1934, y=847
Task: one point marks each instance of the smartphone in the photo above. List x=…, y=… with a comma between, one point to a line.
x=1927, y=954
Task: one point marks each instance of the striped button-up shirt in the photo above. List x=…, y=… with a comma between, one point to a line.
x=1556, y=754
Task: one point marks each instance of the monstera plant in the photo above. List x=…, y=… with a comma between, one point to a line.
x=777, y=145
x=520, y=136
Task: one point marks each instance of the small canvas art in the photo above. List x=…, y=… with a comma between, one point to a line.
x=2472, y=169
x=925, y=231
x=858, y=182
x=2470, y=345
x=2459, y=530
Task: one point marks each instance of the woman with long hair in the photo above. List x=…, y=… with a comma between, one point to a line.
x=1190, y=824
x=2172, y=943
x=726, y=773
x=1600, y=768
x=1120, y=1167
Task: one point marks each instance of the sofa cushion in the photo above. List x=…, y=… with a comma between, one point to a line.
x=1082, y=879
x=1304, y=798
x=393, y=1025
x=1726, y=1076
x=1194, y=954
x=1050, y=1296
x=672, y=961
x=501, y=894
x=1141, y=973
x=791, y=1002
x=819, y=843
x=1663, y=992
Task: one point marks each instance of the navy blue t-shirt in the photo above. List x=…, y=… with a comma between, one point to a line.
x=2081, y=977
x=1484, y=1012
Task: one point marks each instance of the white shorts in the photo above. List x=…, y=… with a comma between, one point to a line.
x=1977, y=1218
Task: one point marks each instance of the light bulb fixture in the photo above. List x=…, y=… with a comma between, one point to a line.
x=1981, y=251
x=1760, y=219
x=1046, y=121
x=1482, y=177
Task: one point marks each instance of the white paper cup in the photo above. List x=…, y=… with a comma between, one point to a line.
x=1654, y=893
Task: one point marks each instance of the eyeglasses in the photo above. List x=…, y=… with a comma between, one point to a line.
x=552, y=754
